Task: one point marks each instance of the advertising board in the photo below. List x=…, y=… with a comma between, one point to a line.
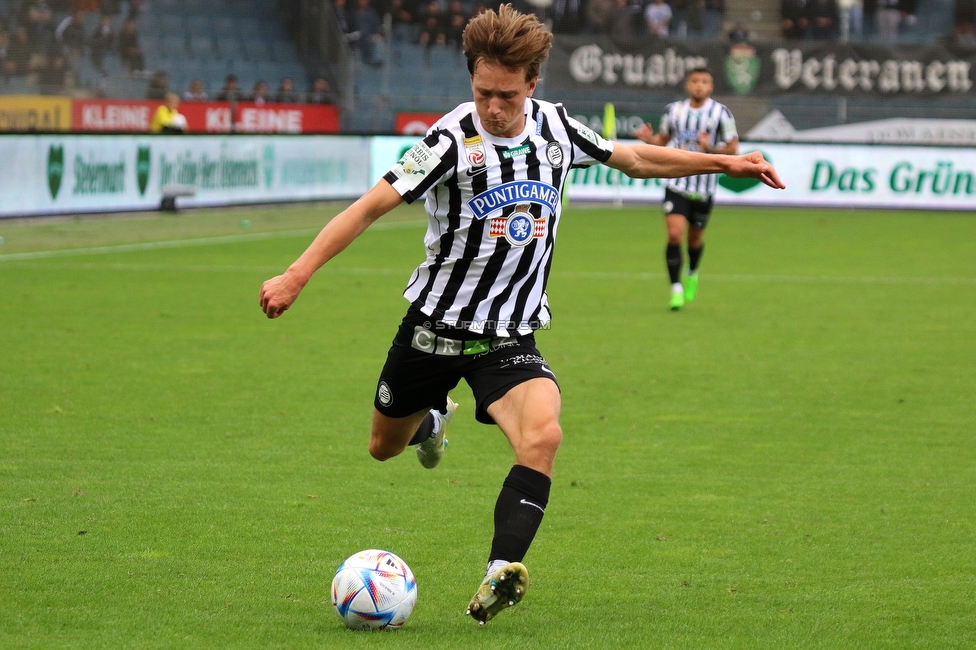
x=77, y=173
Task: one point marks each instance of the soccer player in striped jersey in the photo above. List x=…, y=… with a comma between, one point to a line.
x=698, y=123
x=491, y=173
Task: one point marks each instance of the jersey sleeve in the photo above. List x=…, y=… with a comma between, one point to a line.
x=665, y=127
x=726, y=126
x=427, y=163
x=588, y=147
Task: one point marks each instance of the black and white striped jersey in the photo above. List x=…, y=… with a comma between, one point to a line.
x=683, y=123
x=493, y=208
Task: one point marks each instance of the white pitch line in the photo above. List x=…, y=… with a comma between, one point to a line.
x=185, y=243
x=573, y=275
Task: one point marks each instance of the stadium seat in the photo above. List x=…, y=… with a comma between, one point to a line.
x=201, y=47
x=170, y=25
x=199, y=26
x=174, y=46
x=224, y=27
x=283, y=51
x=172, y=7
x=231, y=49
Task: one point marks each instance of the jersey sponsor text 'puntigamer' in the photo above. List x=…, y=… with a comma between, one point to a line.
x=514, y=192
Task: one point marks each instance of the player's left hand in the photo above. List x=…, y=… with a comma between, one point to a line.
x=753, y=165
x=703, y=141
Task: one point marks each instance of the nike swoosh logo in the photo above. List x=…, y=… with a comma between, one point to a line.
x=474, y=172
x=534, y=505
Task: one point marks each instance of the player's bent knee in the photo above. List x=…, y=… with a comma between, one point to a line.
x=546, y=439
x=382, y=450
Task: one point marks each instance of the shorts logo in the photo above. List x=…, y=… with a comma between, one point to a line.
x=384, y=394
x=554, y=153
x=518, y=228
x=668, y=207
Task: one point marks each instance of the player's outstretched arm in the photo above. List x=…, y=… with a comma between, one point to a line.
x=278, y=293
x=642, y=161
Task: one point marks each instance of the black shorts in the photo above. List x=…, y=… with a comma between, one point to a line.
x=428, y=359
x=696, y=211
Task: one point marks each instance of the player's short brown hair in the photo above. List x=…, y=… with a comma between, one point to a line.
x=507, y=38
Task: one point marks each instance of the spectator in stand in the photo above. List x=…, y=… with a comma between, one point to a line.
x=286, y=92
x=851, y=19
x=822, y=19
x=320, y=92
x=195, y=92
x=887, y=18
x=658, y=17
x=457, y=20
x=344, y=20
x=110, y=7
x=692, y=22
x=793, y=19
x=404, y=15
x=566, y=15
x=70, y=35
x=620, y=22
x=964, y=23
x=51, y=78
x=261, y=93
x=739, y=34
x=433, y=27
x=368, y=25
x=231, y=92
x=20, y=53
x=714, y=14
x=38, y=19
x=598, y=15
x=4, y=52
x=102, y=41
x=158, y=85
x=167, y=119
x=129, y=48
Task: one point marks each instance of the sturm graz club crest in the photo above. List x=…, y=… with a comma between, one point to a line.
x=55, y=169
x=742, y=68
x=143, y=158
x=518, y=228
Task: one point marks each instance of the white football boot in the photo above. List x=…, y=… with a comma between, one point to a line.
x=430, y=451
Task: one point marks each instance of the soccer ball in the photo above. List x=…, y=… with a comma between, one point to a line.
x=374, y=590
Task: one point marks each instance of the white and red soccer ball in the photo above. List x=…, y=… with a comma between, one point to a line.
x=374, y=590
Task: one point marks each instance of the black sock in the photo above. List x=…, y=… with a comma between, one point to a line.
x=672, y=254
x=518, y=513
x=694, y=256
x=424, y=431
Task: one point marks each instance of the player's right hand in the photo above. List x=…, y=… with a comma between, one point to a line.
x=644, y=132
x=278, y=294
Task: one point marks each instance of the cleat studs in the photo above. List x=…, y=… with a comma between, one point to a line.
x=511, y=602
x=501, y=578
x=481, y=622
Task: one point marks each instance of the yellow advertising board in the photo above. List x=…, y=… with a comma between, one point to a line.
x=26, y=113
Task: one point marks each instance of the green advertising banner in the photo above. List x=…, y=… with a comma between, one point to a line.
x=70, y=174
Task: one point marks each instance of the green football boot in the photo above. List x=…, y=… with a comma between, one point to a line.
x=691, y=287
x=677, y=300
x=503, y=588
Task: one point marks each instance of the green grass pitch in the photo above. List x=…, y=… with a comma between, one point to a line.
x=789, y=462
